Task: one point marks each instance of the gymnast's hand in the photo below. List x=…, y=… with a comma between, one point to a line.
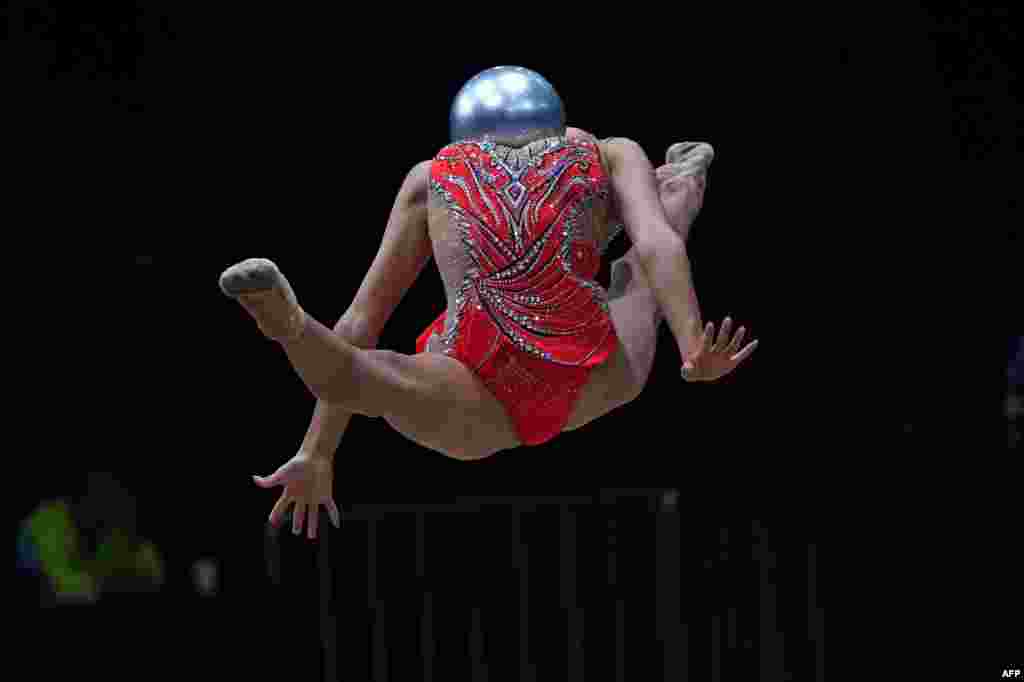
x=308, y=482
x=714, y=358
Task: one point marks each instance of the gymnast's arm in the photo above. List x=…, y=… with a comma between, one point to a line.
x=404, y=251
x=661, y=252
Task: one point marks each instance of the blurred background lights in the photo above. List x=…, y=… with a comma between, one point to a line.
x=206, y=577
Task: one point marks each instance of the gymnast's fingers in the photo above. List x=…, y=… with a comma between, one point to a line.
x=745, y=353
x=723, y=335
x=298, y=516
x=734, y=345
x=332, y=509
x=313, y=521
x=279, y=509
x=268, y=481
x=709, y=336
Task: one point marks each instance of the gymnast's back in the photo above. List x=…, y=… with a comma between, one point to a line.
x=519, y=232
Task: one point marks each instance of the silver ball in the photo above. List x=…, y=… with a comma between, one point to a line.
x=508, y=105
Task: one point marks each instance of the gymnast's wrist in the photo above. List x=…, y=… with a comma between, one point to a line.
x=318, y=443
x=316, y=448
x=690, y=341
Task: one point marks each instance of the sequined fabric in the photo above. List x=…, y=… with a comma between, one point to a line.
x=527, y=316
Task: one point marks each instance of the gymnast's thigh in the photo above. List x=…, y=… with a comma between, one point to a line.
x=446, y=408
x=609, y=386
x=620, y=380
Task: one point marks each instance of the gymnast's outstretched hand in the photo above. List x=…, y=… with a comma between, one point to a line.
x=308, y=481
x=714, y=358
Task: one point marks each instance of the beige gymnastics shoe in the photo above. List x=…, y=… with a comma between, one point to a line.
x=265, y=293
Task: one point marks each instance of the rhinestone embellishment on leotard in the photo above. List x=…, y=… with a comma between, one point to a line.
x=518, y=217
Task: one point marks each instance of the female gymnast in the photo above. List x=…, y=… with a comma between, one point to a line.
x=517, y=212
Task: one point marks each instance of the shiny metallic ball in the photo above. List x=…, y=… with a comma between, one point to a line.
x=509, y=105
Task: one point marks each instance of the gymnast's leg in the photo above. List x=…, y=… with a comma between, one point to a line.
x=633, y=307
x=418, y=395
x=635, y=311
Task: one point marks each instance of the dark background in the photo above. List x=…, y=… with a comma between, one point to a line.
x=850, y=149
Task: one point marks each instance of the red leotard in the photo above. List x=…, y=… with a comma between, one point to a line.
x=528, y=318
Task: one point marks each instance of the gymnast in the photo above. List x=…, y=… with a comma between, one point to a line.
x=517, y=212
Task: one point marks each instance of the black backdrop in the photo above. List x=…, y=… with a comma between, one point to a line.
x=270, y=131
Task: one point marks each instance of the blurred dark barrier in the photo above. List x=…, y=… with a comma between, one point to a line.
x=616, y=585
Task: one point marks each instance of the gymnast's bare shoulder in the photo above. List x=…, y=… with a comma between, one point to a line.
x=417, y=182
x=614, y=217
x=602, y=145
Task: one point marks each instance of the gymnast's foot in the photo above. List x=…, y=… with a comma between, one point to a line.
x=264, y=292
x=693, y=156
x=682, y=182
